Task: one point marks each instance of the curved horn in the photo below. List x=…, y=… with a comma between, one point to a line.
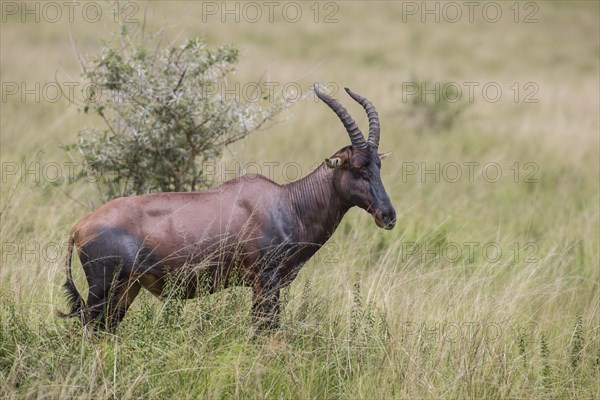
x=373, y=117
x=356, y=136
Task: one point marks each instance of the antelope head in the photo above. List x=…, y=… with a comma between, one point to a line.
x=357, y=168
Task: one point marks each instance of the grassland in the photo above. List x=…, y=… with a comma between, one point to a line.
x=485, y=289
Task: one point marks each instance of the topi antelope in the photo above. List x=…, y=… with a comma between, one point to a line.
x=249, y=231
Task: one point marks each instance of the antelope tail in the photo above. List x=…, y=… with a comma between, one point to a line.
x=74, y=299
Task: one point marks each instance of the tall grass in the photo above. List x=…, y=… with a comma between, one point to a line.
x=376, y=314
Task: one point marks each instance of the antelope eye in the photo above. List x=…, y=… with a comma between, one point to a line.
x=365, y=172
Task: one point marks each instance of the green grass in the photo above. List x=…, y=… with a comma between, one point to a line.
x=369, y=316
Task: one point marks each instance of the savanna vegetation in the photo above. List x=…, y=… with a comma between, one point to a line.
x=486, y=288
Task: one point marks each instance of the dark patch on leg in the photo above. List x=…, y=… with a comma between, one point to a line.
x=278, y=244
x=110, y=260
x=125, y=292
x=267, y=288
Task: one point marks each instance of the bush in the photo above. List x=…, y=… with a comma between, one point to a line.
x=161, y=124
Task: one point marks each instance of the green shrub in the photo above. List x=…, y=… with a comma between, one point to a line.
x=163, y=118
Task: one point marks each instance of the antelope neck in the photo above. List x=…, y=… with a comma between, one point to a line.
x=316, y=205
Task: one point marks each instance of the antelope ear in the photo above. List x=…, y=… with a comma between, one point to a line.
x=384, y=155
x=333, y=162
